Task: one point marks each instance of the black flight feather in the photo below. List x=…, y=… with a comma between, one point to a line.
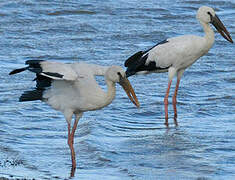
x=34, y=65
x=15, y=71
x=133, y=58
x=42, y=82
x=137, y=62
x=31, y=95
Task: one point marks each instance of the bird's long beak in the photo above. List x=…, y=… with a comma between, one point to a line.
x=221, y=28
x=126, y=85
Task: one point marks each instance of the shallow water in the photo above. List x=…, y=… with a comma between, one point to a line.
x=119, y=141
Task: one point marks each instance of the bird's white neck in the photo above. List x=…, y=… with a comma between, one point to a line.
x=110, y=94
x=209, y=35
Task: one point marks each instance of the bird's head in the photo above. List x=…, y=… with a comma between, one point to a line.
x=114, y=72
x=207, y=15
x=117, y=75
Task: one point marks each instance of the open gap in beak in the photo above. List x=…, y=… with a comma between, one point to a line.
x=126, y=85
x=221, y=28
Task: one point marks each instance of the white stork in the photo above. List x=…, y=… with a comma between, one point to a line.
x=176, y=54
x=72, y=89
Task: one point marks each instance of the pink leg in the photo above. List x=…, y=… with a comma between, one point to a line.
x=166, y=102
x=174, y=101
x=73, y=156
x=74, y=129
x=73, y=161
x=70, y=143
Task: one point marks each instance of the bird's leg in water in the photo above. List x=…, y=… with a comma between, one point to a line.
x=73, y=161
x=174, y=101
x=166, y=102
x=70, y=143
x=73, y=156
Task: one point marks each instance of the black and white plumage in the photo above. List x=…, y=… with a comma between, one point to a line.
x=174, y=55
x=72, y=89
x=139, y=63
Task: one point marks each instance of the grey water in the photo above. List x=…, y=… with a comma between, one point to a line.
x=119, y=141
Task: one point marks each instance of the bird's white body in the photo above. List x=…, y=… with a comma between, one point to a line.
x=179, y=52
x=80, y=93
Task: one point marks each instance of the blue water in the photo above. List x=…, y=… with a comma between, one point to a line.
x=119, y=141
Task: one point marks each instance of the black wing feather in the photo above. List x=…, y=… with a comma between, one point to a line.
x=133, y=58
x=15, y=71
x=34, y=65
x=137, y=62
x=42, y=82
x=31, y=95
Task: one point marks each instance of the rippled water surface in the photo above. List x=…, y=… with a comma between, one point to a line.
x=119, y=141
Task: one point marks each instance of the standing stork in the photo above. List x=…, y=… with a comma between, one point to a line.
x=176, y=54
x=72, y=89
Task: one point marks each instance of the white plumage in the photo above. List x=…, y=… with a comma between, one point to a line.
x=178, y=54
x=78, y=90
x=72, y=89
x=174, y=55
